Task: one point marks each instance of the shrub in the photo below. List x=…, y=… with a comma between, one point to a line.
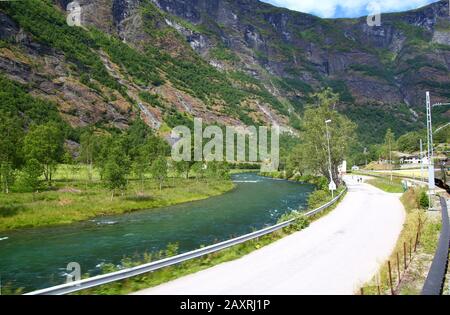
x=423, y=201
x=318, y=198
x=301, y=222
x=28, y=178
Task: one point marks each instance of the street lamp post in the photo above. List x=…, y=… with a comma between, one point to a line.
x=332, y=184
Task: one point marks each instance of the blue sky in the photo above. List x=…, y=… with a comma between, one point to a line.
x=347, y=8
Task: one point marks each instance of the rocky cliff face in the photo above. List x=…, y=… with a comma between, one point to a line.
x=276, y=56
x=296, y=46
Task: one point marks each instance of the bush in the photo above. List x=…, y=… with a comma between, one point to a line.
x=423, y=201
x=28, y=178
x=318, y=198
x=301, y=222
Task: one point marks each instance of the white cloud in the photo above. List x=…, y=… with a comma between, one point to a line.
x=348, y=8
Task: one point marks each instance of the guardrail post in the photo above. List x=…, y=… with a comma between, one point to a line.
x=398, y=268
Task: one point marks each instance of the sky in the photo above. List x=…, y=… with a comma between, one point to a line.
x=348, y=8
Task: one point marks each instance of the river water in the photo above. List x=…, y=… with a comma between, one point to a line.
x=37, y=258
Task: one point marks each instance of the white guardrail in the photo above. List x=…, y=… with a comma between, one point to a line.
x=152, y=266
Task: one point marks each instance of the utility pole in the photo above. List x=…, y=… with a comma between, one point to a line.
x=430, y=151
x=332, y=186
x=431, y=182
x=421, y=160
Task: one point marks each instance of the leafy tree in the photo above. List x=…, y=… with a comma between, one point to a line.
x=159, y=170
x=218, y=170
x=183, y=167
x=137, y=135
x=144, y=157
x=45, y=144
x=141, y=165
x=389, y=144
x=88, y=149
x=295, y=162
x=199, y=169
x=28, y=178
x=410, y=142
x=116, y=167
x=314, y=136
x=115, y=176
x=443, y=135
x=11, y=137
x=6, y=176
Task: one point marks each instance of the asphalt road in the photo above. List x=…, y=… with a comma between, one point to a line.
x=335, y=255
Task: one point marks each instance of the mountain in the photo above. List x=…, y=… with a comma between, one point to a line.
x=231, y=62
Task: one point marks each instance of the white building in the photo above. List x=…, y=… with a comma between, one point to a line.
x=413, y=159
x=342, y=169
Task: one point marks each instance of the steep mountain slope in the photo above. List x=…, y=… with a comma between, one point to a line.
x=381, y=72
x=95, y=78
x=232, y=62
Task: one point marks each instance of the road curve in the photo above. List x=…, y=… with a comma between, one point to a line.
x=335, y=255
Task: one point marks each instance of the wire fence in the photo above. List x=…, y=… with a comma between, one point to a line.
x=389, y=280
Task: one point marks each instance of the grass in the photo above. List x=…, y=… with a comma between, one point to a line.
x=173, y=272
x=383, y=170
x=413, y=279
x=80, y=199
x=386, y=185
x=412, y=173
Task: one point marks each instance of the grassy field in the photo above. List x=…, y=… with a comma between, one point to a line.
x=412, y=173
x=75, y=198
x=385, y=184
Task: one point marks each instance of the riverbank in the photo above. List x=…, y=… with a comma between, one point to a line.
x=300, y=263
x=193, y=266
x=72, y=201
x=102, y=243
